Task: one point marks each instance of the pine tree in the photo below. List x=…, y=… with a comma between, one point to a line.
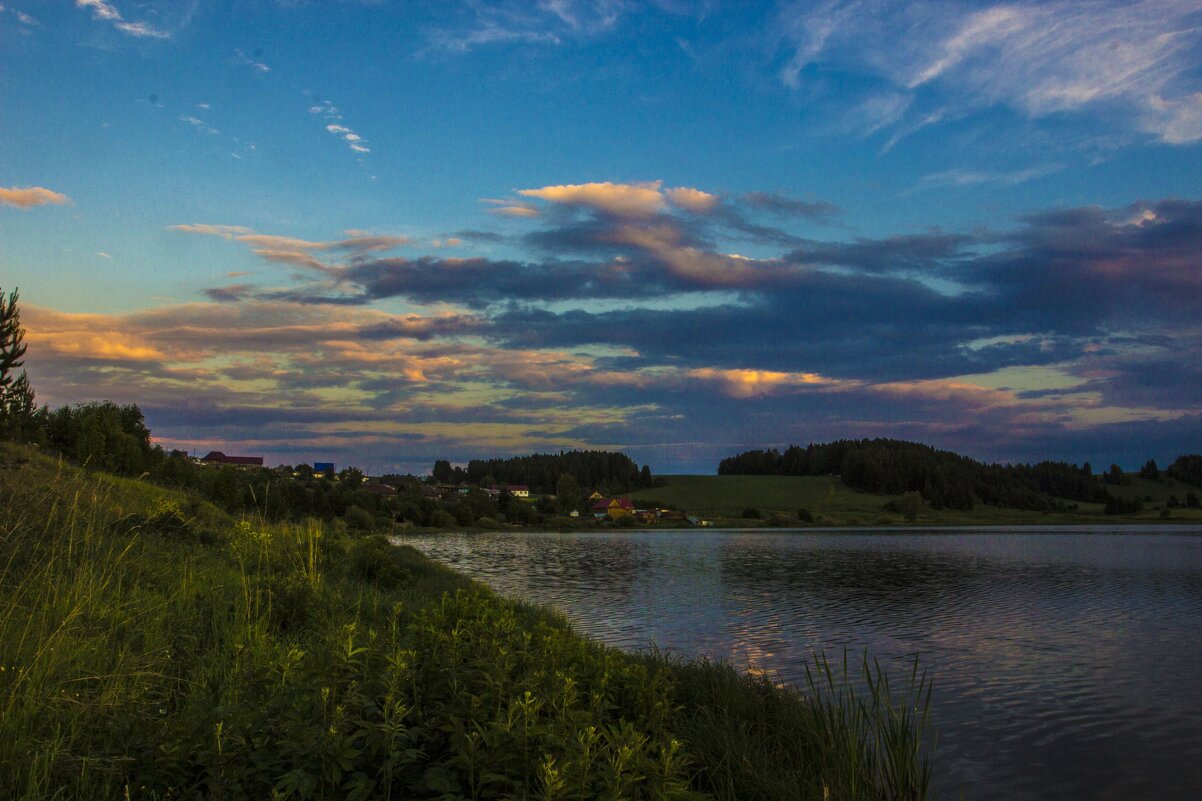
x=16, y=395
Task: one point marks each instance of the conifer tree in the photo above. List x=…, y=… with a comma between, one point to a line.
x=16, y=395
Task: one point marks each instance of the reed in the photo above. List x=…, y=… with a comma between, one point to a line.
x=152, y=648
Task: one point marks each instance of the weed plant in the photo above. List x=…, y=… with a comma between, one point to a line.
x=151, y=648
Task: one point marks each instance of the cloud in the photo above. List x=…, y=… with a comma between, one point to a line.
x=548, y=22
x=292, y=250
x=334, y=125
x=28, y=196
x=223, y=231
x=1136, y=59
x=965, y=177
x=104, y=11
x=693, y=200
x=258, y=66
x=515, y=210
x=786, y=206
x=623, y=200
x=623, y=320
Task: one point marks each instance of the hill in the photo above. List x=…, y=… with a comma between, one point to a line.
x=153, y=647
x=830, y=501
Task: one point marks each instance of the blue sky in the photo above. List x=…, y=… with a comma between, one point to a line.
x=384, y=233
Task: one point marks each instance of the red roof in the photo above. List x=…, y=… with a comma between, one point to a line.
x=604, y=503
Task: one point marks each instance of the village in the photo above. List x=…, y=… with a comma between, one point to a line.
x=594, y=506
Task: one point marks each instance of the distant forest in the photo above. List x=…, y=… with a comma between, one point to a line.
x=607, y=471
x=947, y=480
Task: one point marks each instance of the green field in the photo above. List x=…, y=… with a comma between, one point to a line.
x=723, y=499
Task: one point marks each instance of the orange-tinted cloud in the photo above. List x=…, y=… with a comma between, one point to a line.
x=693, y=200
x=623, y=200
x=26, y=197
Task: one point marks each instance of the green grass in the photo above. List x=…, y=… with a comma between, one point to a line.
x=723, y=499
x=152, y=648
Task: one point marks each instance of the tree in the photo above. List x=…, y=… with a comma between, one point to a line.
x=16, y=395
x=1149, y=470
x=567, y=493
x=1115, y=476
x=910, y=505
x=442, y=471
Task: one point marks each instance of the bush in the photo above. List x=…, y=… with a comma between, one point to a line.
x=805, y=515
x=751, y=513
x=487, y=522
x=443, y=519
x=781, y=521
x=359, y=519
x=374, y=559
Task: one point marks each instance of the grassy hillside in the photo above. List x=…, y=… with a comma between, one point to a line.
x=153, y=648
x=724, y=498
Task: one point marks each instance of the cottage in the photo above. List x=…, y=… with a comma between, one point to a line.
x=217, y=457
x=612, y=508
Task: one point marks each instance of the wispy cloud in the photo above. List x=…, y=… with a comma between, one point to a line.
x=104, y=11
x=299, y=252
x=198, y=123
x=1140, y=60
x=547, y=22
x=25, y=197
x=334, y=125
x=240, y=57
x=967, y=177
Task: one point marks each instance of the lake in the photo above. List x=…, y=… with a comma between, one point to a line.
x=1066, y=663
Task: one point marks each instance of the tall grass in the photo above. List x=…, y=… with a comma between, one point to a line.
x=152, y=648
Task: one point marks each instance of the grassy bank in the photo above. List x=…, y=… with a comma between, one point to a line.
x=151, y=647
x=831, y=502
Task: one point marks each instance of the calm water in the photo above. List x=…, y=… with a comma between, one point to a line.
x=1066, y=665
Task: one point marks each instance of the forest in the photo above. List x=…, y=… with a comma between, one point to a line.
x=947, y=480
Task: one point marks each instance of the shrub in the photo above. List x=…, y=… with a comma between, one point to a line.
x=751, y=513
x=359, y=519
x=376, y=560
x=487, y=522
x=443, y=519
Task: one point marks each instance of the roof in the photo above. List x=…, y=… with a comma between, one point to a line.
x=606, y=503
x=221, y=458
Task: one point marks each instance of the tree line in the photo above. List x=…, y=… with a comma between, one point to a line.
x=609, y=472
x=945, y=479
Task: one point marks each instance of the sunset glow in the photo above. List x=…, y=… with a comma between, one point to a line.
x=387, y=233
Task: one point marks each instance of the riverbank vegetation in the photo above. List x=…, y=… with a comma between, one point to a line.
x=152, y=646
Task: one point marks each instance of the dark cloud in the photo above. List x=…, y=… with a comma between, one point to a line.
x=786, y=206
x=934, y=255
x=229, y=294
x=489, y=237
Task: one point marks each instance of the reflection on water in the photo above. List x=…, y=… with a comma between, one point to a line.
x=1065, y=665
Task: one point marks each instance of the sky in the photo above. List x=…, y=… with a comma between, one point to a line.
x=384, y=233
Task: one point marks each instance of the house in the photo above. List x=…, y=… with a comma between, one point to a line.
x=323, y=467
x=217, y=457
x=516, y=490
x=612, y=508
x=376, y=488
